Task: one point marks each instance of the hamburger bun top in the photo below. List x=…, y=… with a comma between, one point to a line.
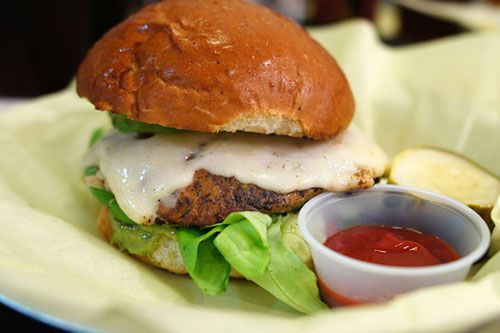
x=217, y=65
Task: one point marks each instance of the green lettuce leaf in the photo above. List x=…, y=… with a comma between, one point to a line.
x=96, y=135
x=104, y=197
x=91, y=170
x=287, y=278
x=204, y=263
x=125, y=125
x=209, y=252
x=294, y=241
x=244, y=245
x=108, y=199
x=252, y=245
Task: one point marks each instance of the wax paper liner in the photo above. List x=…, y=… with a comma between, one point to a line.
x=55, y=265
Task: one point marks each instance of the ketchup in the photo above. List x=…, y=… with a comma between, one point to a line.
x=386, y=246
x=391, y=246
x=333, y=298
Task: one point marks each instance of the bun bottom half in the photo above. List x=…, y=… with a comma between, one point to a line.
x=167, y=256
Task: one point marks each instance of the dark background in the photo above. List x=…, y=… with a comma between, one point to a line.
x=42, y=43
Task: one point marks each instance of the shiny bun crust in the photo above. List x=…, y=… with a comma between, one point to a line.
x=217, y=65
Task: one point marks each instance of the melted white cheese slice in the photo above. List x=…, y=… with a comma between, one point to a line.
x=141, y=172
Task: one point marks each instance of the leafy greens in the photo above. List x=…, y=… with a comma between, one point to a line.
x=125, y=125
x=252, y=243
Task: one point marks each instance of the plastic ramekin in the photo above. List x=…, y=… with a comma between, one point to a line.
x=389, y=205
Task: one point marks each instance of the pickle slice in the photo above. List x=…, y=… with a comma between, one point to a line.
x=495, y=213
x=450, y=174
x=495, y=235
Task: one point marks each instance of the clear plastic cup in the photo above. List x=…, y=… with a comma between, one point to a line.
x=352, y=281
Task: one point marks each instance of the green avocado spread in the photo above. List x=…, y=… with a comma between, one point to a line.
x=139, y=239
x=127, y=235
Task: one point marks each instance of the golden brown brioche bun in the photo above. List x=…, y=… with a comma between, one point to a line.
x=215, y=65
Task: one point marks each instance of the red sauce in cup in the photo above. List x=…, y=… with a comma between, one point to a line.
x=386, y=246
x=333, y=298
x=391, y=246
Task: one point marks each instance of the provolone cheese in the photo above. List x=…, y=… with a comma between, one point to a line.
x=142, y=172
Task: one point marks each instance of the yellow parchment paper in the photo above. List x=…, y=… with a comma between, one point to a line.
x=53, y=260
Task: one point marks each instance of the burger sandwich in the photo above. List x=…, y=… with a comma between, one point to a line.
x=227, y=118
